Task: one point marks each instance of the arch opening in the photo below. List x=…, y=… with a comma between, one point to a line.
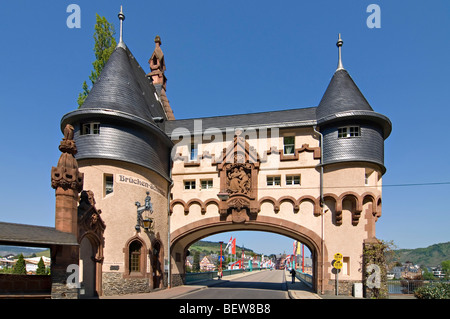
x=185, y=236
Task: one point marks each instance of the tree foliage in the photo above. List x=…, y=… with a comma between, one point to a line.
x=105, y=43
x=382, y=254
x=439, y=290
x=446, y=268
x=40, y=268
x=20, y=267
x=196, y=263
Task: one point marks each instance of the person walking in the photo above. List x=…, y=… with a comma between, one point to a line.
x=293, y=272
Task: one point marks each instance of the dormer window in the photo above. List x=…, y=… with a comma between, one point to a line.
x=90, y=128
x=349, y=131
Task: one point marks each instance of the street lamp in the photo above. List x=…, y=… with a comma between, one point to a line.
x=143, y=214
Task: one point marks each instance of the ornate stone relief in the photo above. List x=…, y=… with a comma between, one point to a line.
x=66, y=174
x=238, y=172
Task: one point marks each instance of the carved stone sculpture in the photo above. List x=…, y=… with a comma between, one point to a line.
x=67, y=181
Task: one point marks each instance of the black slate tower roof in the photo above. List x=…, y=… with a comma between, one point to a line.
x=125, y=104
x=341, y=95
x=123, y=86
x=343, y=106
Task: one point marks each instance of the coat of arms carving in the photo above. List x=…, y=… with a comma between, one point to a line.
x=238, y=178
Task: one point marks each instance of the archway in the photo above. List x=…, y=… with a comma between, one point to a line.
x=88, y=250
x=185, y=236
x=156, y=258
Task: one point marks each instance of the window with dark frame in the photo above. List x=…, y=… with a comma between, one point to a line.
x=293, y=180
x=109, y=184
x=193, y=152
x=273, y=180
x=289, y=145
x=207, y=184
x=189, y=184
x=349, y=131
x=90, y=128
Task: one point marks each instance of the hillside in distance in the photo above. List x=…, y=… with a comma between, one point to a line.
x=430, y=256
x=209, y=247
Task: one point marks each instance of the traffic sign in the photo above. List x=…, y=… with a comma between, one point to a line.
x=221, y=258
x=338, y=256
x=337, y=264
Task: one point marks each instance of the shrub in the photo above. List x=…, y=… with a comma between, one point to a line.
x=433, y=291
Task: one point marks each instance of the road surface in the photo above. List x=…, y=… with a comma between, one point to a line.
x=258, y=285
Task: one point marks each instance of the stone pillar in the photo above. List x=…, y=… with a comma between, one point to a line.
x=67, y=182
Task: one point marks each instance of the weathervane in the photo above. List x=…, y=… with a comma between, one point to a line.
x=339, y=45
x=121, y=18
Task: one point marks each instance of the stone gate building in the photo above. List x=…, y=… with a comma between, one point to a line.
x=313, y=174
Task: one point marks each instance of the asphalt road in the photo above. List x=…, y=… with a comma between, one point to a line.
x=259, y=285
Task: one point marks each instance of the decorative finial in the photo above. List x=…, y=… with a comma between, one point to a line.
x=158, y=40
x=121, y=18
x=339, y=45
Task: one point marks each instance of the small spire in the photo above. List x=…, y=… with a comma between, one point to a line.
x=121, y=18
x=339, y=45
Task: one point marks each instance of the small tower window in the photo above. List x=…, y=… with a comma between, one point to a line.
x=194, y=152
x=90, y=128
x=349, y=131
x=289, y=145
x=109, y=184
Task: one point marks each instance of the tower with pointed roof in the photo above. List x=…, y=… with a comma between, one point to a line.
x=124, y=154
x=352, y=131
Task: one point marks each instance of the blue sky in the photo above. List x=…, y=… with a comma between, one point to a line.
x=230, y=57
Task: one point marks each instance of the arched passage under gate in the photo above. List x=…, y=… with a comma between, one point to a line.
x=184, y=237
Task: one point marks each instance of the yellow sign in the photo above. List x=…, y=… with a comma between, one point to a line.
x=338, y=256
x=337, y=264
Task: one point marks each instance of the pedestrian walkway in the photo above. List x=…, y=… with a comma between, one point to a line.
x=181, y=290
x=298, y=289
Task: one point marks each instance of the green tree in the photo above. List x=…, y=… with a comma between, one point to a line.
x=446, y=268
x=196, y=264
x=40, y=268
x=19, y=267
x=427, y=275
x=105, y=43
x=382, y=254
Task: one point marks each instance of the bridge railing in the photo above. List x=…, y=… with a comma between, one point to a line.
x=210, y=275
x=303, y=277
x=407, y=287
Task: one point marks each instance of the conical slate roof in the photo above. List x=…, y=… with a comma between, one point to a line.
x=123, y=86
x=341, y=95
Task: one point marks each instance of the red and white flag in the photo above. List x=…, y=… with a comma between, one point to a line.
x=233, y=247
x=229, y=243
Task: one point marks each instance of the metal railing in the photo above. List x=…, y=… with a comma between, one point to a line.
x=305, y=278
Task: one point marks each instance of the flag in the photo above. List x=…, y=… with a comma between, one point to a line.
x=298, y=248
x=229, y=242
x=233, y=246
